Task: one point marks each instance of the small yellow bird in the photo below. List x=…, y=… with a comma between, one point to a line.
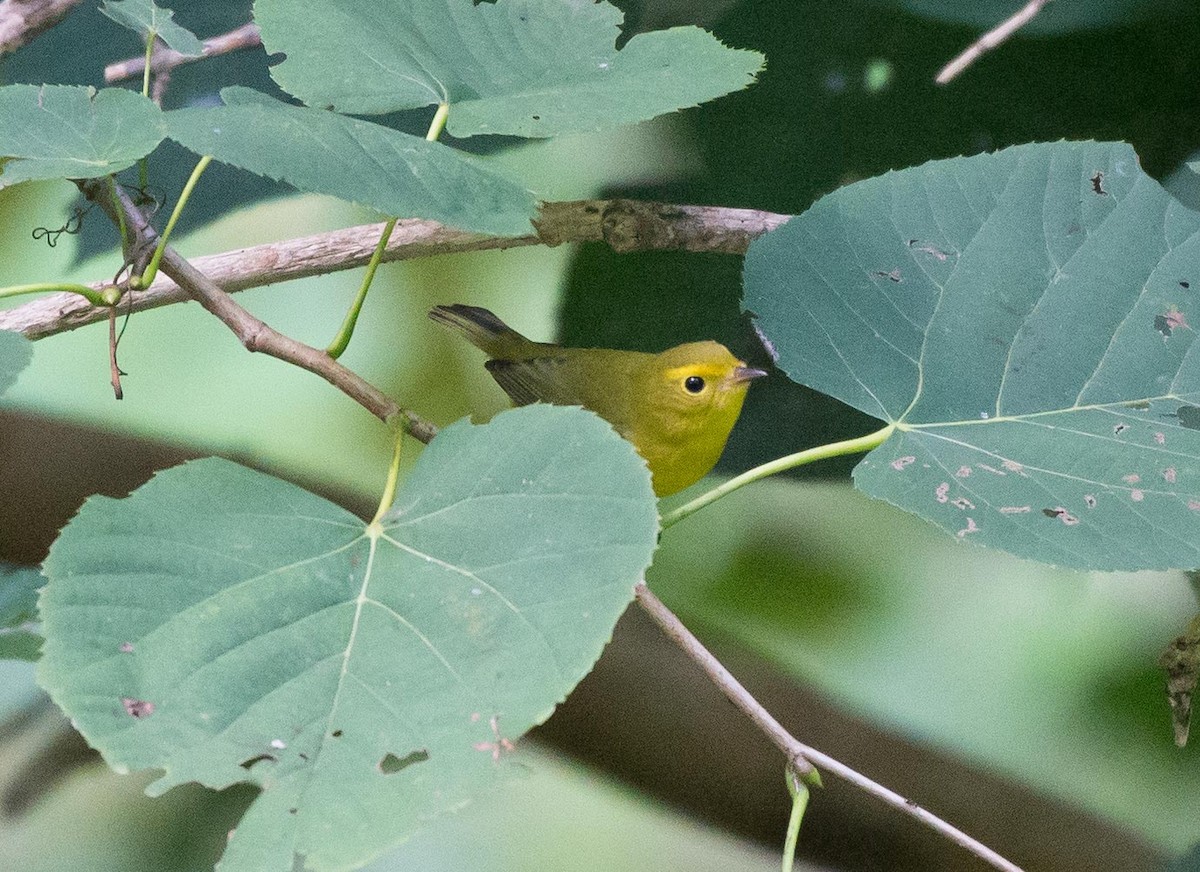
x=676, y=407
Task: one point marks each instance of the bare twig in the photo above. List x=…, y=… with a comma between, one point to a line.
x=625, y=225
x=990, y=40
x=22, y=20
x=114, y=370
x=792, y=747
x=253, y=333
x=166, y=59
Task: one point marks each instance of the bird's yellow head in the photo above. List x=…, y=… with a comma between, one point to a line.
x=690, y=398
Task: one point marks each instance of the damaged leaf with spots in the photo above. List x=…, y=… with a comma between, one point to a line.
x=225, y=626
x=1029, y=334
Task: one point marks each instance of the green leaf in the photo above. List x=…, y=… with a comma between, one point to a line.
x=73, y=132
x=15, y=354
x=376, y=166
x=522, y=67
x=18, y=612
x=1024, y=318
x=1053, y=18
x=146, y=18
x=226, y=626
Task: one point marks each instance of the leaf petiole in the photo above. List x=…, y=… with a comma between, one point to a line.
x=147, y=277
x=107, y=297
x=800, y=458
x=342, y=339
x=389, y=489
x=800, y=793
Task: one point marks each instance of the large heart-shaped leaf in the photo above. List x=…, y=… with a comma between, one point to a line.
x=356, y=160
x=1024, y=319
x=522, y=67
x=70, y=132
x=15, y=354
x=226, y=626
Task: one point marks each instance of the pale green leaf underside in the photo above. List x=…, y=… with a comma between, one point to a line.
x=1025, y=319
x=73, y=132
x=521, y=67
x=227, y=626
x=15, y=354
x=145, y=17
x=323, y=152
x=18, y=612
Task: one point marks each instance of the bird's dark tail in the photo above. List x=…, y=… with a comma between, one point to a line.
x=485, y=331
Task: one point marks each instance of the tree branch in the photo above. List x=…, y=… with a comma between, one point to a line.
x=166, y=59
x=22, y=20
x=626, y=225
x=253, y=333
x=990, y=40
x=792, y=747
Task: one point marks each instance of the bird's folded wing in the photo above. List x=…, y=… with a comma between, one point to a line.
x=545, y=379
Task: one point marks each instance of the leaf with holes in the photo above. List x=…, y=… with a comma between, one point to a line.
x=18, y=612
x=146, y=17
x=327, y=153
x=15, y=354
x=227, y=627
x=521, y=67
x=72, y=132
x=1024, y=319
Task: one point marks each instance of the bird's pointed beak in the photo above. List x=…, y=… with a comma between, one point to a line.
x=747, y=373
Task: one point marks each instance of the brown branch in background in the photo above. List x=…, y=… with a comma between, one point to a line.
x=990, y=40
x=165, y=59
x=792, y=747
x=626, y=225
x=22, y=20
x=253, y=333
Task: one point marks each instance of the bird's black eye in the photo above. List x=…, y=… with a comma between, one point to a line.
x=693, y=384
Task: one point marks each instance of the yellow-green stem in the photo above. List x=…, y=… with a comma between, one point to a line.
x=107, y=297
x=438, y=124
x=152, y=269
x=342, y=340
x=143, y=171
x=389, y=489
x=150, y=38
x=799, y=792
x=800, y=458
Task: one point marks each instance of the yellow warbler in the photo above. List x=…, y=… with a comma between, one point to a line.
x=676, y=407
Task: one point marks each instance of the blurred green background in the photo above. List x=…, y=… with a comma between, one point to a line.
x=1020, y=701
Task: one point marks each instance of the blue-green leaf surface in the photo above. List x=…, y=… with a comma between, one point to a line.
x=522, y=67
x=226, y=626
x=15, y=354
x=327, y=153
x=73, y=132
x=1025, y=320
x=146, y=17
x=18, y=612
